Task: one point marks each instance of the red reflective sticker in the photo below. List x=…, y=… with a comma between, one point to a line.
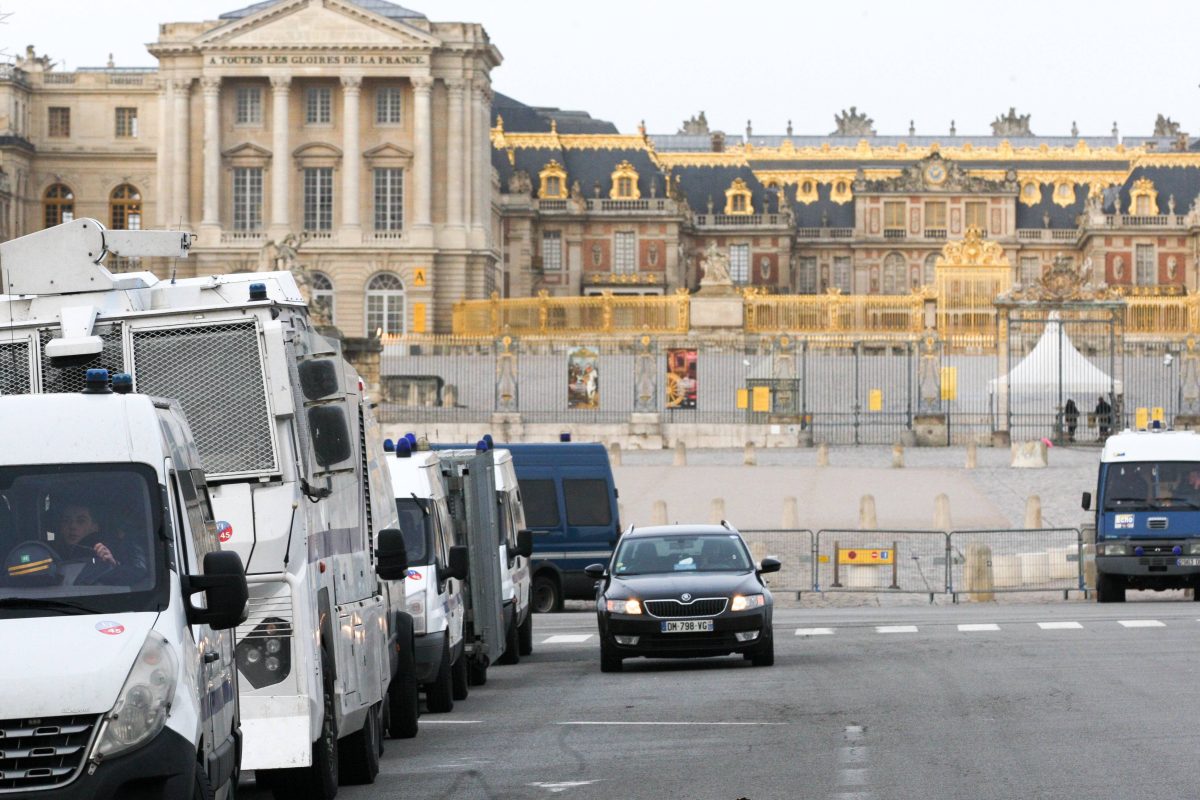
x=110, y=628
x=224, y=531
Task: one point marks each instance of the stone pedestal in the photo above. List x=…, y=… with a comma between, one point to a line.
x=717, y=310
x=930, y=430
x=1029, y=455
x=1000, y=439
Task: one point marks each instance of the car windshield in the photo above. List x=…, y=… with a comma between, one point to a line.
x=79, y=539
x=1152, y=485
x=645, y=555
x=415, y=525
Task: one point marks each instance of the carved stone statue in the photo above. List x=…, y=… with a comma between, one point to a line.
x=1172, y=267
x=1011, y=124
x=852, y=123
x=696, y=126
x=288, y=258
x=1166, y=127
x=1074, y=129
x=1171, y=204
x=520, y=183
x=268, y=255
x=716, y=267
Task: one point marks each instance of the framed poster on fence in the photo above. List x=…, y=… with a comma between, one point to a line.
x=682, y=386
x=583, y=378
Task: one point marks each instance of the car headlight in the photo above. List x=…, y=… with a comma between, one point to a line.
x=144, y=702
x=264, y=656
x=744, y=602
x=624, y=606
x=1114, y=549
x=1193, y=548
x=416, y=610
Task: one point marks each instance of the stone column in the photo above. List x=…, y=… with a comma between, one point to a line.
x=180, y=213
x=422, y=182
x=281, y=158
x=483, y=160
x=212, y=155
x=350, y=232
x=162, y=198
x=455, y=155
x=470, y=123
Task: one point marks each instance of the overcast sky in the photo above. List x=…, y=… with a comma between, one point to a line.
x=929, y=61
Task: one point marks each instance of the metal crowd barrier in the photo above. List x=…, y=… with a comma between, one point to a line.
x=984, y=562
x=881, y=560
x=793, y=548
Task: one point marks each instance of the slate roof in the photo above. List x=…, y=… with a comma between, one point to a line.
x=1060, y=217
x=589, y=167
x=699, y=183
x=522, y=118
x=810, y=216
x=1183, y=182
x=381, y=7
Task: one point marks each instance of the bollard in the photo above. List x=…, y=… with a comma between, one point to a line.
x=791, y=514
x=614, y=454
x=941, y=513
x=897, y=455
x=1033, y=512
x=823, y=454
x=621, y=511
x=748, y=457
x=716, y=510
x=659, y=515
x=866, y=513
x=680, y=454
x=972, y=455
x=977, y=573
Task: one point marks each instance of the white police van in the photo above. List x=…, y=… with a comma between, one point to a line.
x=438, y=566
x=117, y=675
x=517, y=549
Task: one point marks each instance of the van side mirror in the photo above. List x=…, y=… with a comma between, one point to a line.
x=460, y=565
x=525, y=544
x=225, y=592
x=391, y=556
x=595, y=571
x=1087, y=501
x=769, y=565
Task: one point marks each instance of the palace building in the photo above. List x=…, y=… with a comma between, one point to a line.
x=362, y=144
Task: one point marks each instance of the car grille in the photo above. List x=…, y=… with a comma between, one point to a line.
x=44, y=752
x=704, y=607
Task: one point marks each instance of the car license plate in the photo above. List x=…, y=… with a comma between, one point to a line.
x=1188, y=562
x=687, y=626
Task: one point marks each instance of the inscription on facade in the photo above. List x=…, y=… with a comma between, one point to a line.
x=303, y=59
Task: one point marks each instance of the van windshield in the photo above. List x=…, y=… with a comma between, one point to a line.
x=416, y=525
x=80, y=539
x=1152, y=485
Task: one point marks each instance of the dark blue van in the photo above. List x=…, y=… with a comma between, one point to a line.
x=570, y=503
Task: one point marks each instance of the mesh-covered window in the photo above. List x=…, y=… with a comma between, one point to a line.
x=318, y=199
x=843, y=274
x=739, y=263
x=552, y=251
x=807, y=275
x=14, y=368
x=1147, y=274
x=249, y=106
x=318, y=106
x=67, y=379
x=216, y=373
x=389, y=199
x=895, y=274
x=247, y=198
x=624, y=261
x=387, y=105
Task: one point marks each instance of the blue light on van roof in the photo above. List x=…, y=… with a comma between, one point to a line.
x=411, y=438
x=96, y=381
x=403, y=448
x=481, y=446
x=258, y=291
x=564, y=437
x=487, y=437
x=122, y=383
x=389, y=446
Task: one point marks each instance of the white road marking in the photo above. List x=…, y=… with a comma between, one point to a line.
x=667, y=723
x=856, y=769
x=1060, y=626
x=896, y=629
x=451, y=721
x=568, y=638
x=986, y=626
x=814, y=631
x=562, y=786
x=1141, y=623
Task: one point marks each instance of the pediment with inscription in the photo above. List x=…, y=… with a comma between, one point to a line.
x=316, y=25
x=936, y=174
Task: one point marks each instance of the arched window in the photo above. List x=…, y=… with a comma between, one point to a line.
x=895, y=275
x=929, y=273
x=58, y=205
x=125, y=208
x=625, y=183
x=322, y=298
x=385, y=305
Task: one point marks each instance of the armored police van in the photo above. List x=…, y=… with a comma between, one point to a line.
x=283, y=431
x=117, y=675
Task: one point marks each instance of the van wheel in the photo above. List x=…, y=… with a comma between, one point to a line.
x=202, y=788
x=525, y=635
x=1107, y=589
x=359, y=752
x=512, y=649
x=460, y=686
x=477, y=671
x=319, y=781
x=547, y=596
x=439, y=695
x=404, y=698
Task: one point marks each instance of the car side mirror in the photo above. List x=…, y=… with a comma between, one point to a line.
x=391, y=556
x=460, y=563
x=1087, y=501
x=595, y=571
x=525, y=544
x=769, y=565
x=225, y=592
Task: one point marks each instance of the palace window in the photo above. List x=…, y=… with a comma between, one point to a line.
x=739, y=263
x=388, y=105
x=929, y=270
x=385, y=305
x=1146, y=273
x=322, y=296
x=318, y=199
x=552, y=251
x=389, y=199
x=1031, y=270
x=935, y=216
x=977, y=215
x=553, y=180
x=1064, y=194
x=248, y=106
x=125, y=208
x=841, y=193
x=806, y=191
x=737, y=198
x=625, y=253
x=807, y=277
x=247, y=198
x=127, y=123
x=895, y=275
x=893, y=215
x=625, y=182
x=318, y=105
x=58, y=205
x=843, y=274
x=60, y=121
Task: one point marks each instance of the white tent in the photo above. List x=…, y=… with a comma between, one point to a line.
x=1039, y=372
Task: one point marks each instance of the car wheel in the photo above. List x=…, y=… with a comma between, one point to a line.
x=512, y=648
x=764, y=656
x=547, y=596
x=610, y=659
x=525, y=633
x=439, y=695
x=460, y=686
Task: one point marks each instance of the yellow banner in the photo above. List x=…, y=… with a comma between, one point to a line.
x=949, y=383
x=743, y=399
x=762, y=398
x=875, y=400
x=419, y=321
x=1142, y=419
x=868, y=555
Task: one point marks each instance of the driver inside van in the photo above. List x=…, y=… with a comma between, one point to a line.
x=80, y=538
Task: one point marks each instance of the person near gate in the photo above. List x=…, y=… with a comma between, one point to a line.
x=1103, y=416
x=1071, y=418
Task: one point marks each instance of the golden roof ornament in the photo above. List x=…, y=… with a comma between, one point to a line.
x=972, y=251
